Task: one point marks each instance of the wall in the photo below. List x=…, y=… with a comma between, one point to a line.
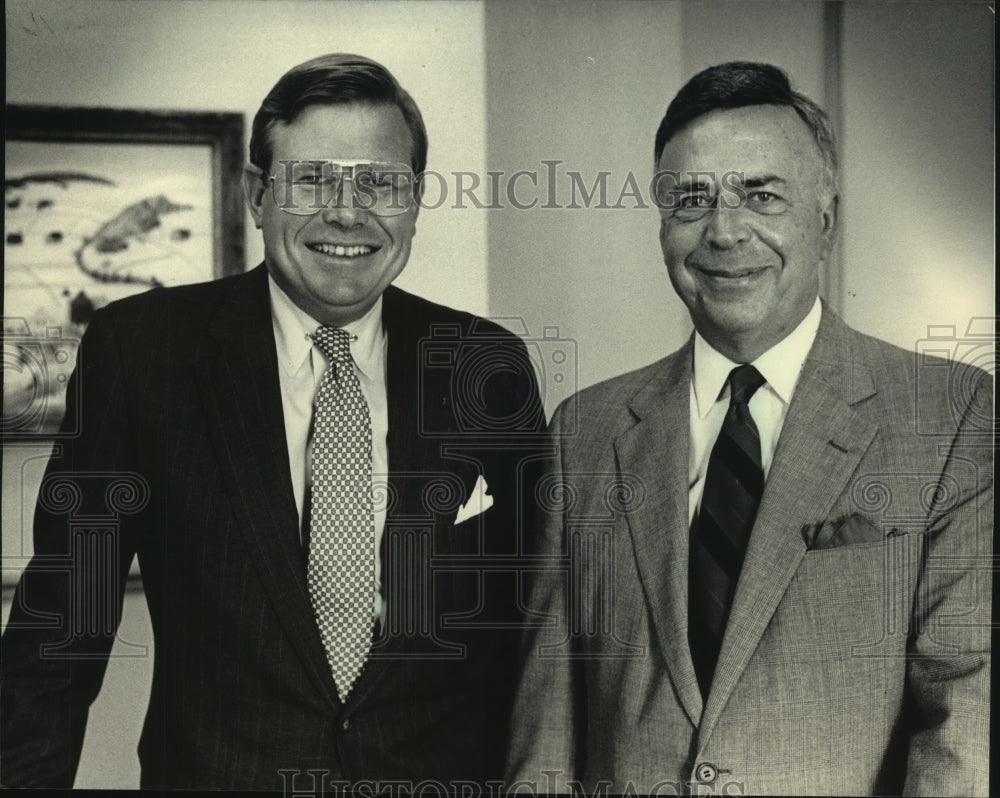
x=918, y=211
x=562, y=84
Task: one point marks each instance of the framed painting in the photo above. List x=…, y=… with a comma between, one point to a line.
x=99, y=204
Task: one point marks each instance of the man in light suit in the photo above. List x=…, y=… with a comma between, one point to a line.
x=766, y=562
x=332, y=591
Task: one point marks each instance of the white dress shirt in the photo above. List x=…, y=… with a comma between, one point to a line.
x=301, y=368
x=780, y=366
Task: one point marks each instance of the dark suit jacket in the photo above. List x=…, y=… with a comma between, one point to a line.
x=182, y=460
x=856, y=656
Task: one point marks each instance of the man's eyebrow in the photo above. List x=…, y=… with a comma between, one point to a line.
x=693, y=185
x=764, y=180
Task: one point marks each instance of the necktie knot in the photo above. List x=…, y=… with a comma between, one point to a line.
x=335, y=343
x=743, y=384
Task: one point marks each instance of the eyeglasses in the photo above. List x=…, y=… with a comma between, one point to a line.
x=304, y=188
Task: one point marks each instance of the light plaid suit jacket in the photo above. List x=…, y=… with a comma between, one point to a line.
x=856, y=658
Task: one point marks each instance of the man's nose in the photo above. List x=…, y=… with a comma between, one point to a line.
x=343, y=207
x=727, y=226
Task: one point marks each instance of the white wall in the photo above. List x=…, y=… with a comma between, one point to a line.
x=584, y=83
x=918, y=153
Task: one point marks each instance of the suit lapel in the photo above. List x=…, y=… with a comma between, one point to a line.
x=417, y=401
x=238, y=378
x=659, y=526
x=822, y=441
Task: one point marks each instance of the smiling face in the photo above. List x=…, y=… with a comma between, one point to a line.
x=745, y=237
x=336, y=263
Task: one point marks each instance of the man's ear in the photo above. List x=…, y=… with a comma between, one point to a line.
x=830, y=217
x=253, y=191
x=418, y=197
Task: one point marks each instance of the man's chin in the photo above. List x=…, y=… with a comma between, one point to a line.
x=731, y=316
x=340, y=311
x=734, y=332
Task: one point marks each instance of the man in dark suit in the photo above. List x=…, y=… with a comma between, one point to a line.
x=770, y=551
x=319, y=474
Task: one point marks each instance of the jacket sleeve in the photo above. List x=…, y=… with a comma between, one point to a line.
x=510, y=412
x=548, y=722
x=68, y=602
x=948, y=664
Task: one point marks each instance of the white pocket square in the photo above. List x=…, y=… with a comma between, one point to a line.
x=478, y=502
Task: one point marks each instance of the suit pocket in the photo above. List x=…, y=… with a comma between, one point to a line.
x=853, y=530
x=852, y=600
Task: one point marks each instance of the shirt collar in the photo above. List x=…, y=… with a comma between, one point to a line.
x=293, y=328
x=780, y=365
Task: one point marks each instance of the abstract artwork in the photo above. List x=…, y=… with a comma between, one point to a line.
x=100, y=204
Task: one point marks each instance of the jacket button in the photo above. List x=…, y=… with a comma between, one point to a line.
x=706, y=772
x=345, y=724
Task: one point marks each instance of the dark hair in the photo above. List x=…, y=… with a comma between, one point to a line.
x=737, y=84
x=337, y=78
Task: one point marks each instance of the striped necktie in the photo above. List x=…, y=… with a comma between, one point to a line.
x=734, y=483
x=341, y=565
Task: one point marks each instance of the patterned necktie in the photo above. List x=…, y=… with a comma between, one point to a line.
x=341, y=567
x=734, y=483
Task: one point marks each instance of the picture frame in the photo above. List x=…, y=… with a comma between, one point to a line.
x=99, y=204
